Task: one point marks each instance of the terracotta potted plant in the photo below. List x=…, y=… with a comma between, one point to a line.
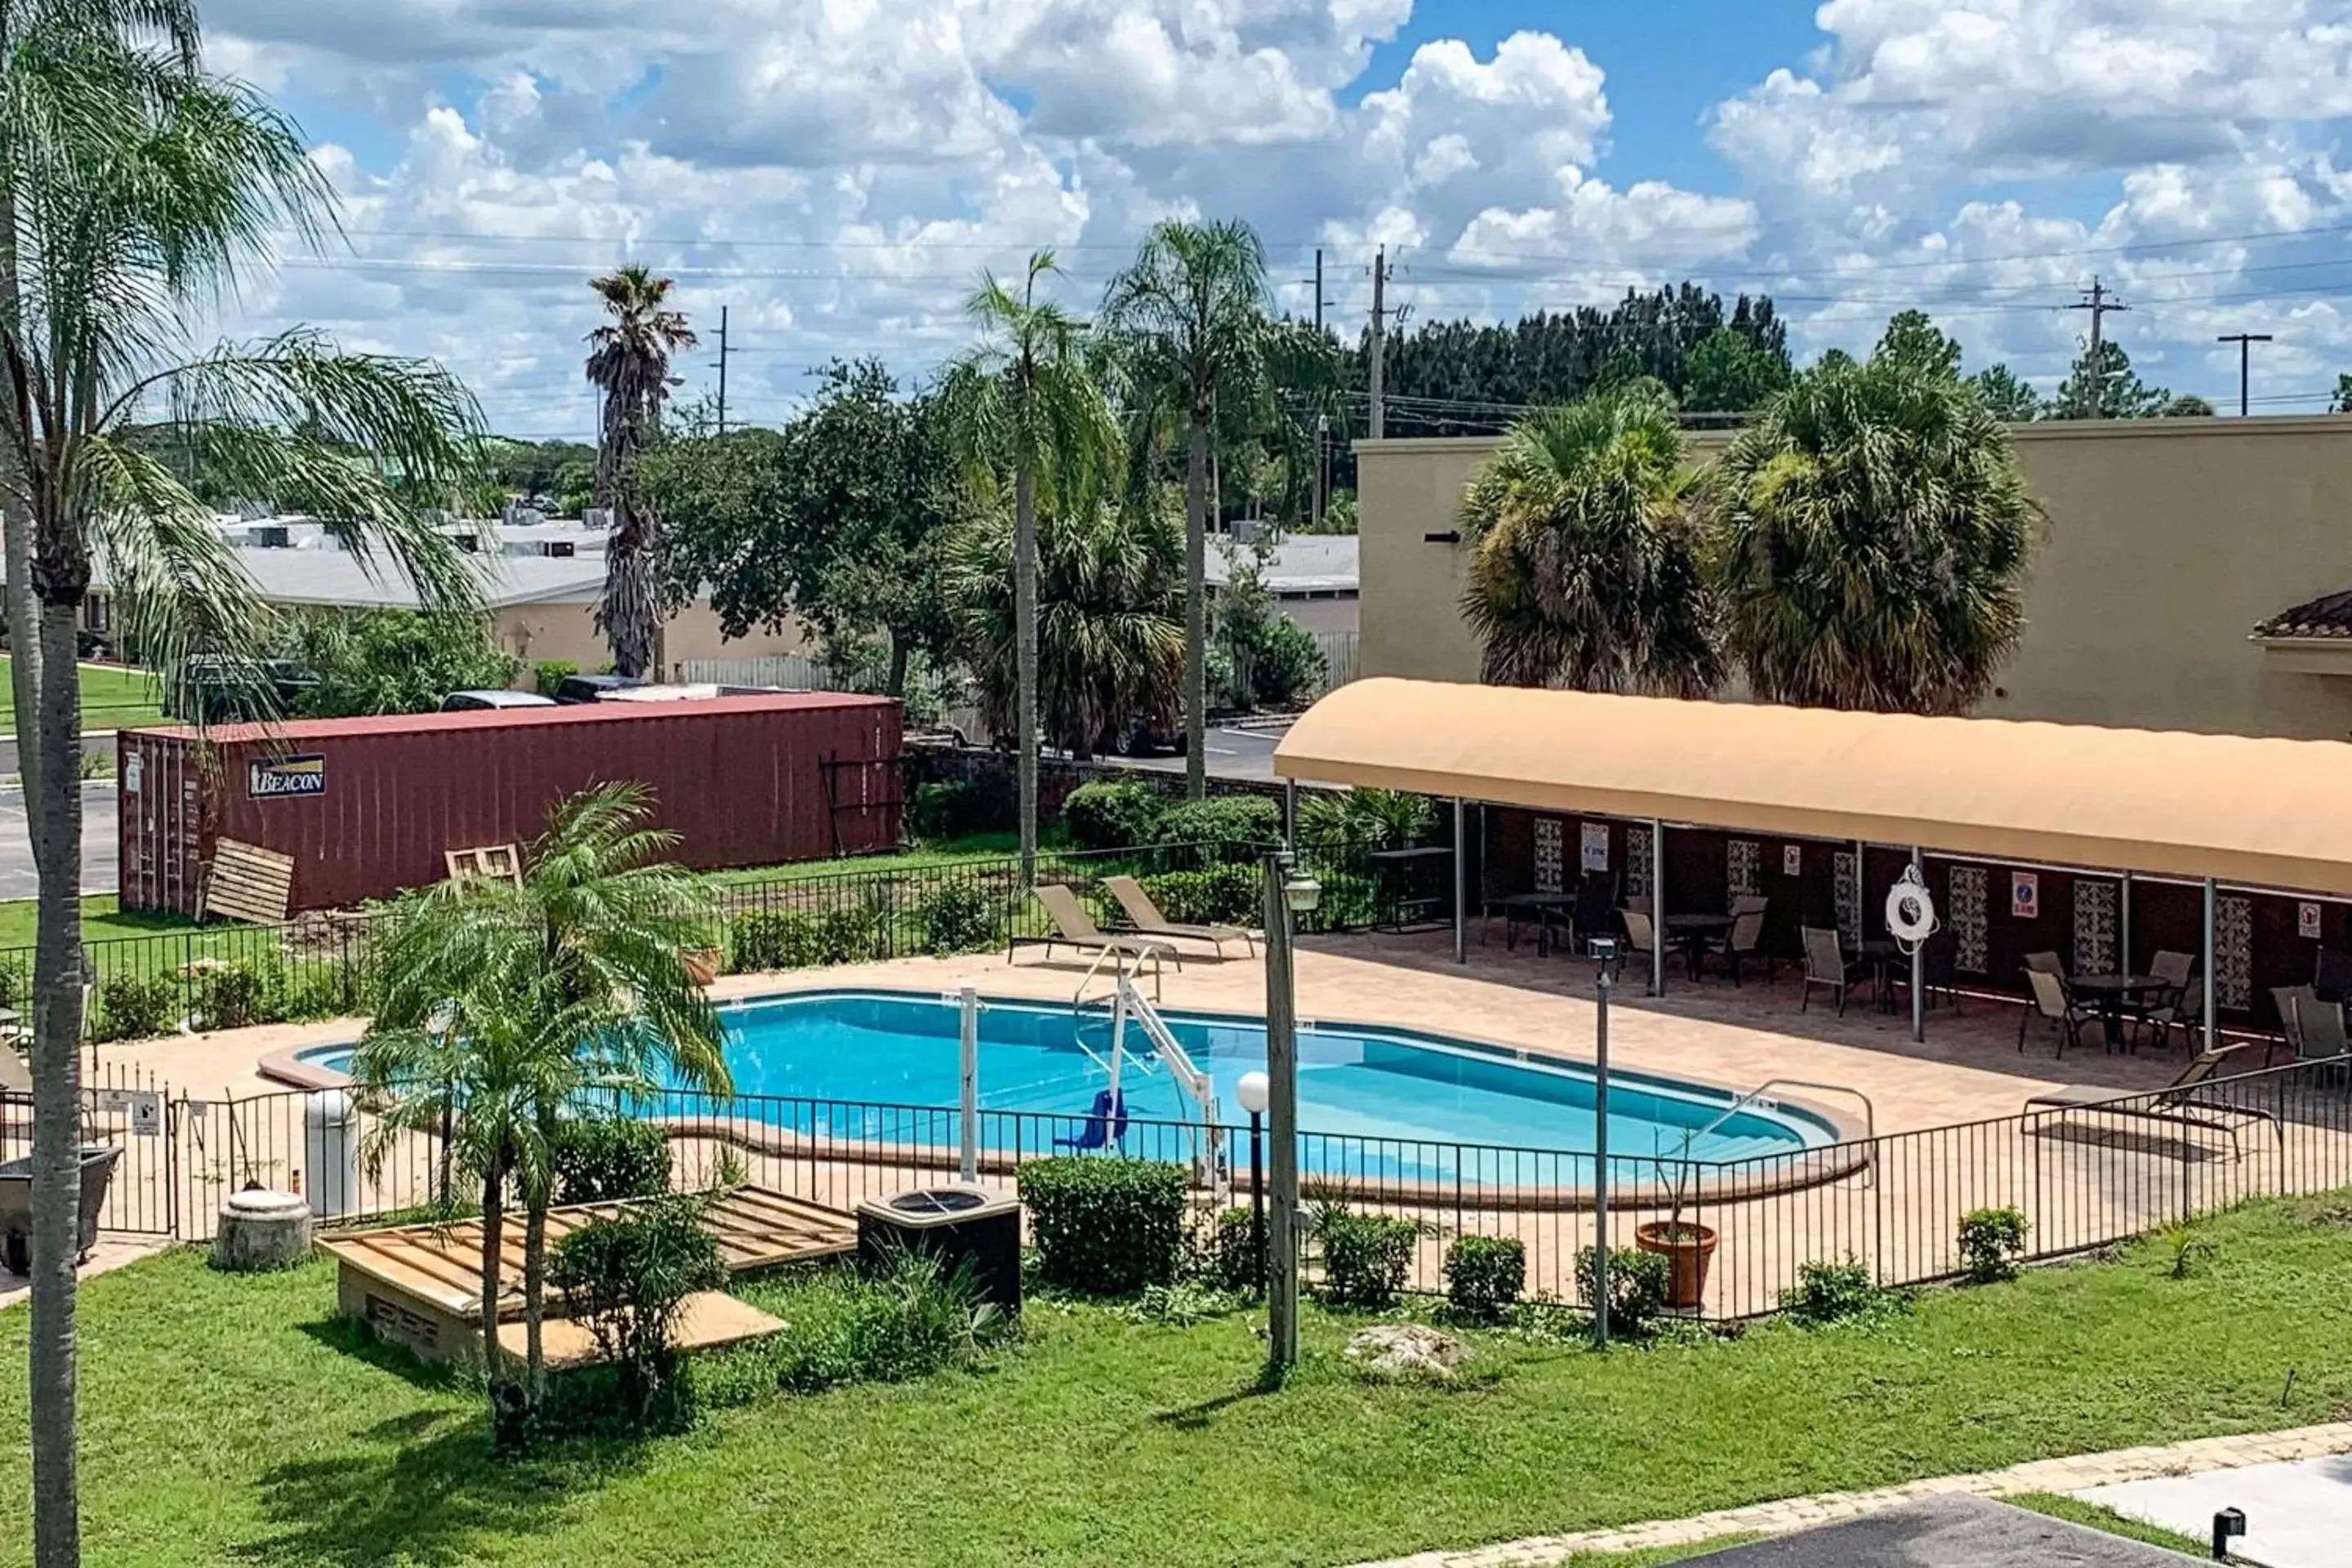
x=701, y=964
x=1687, y=1245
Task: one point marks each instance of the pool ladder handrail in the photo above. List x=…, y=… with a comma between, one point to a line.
x=1208, y=1168
x=1742, y=1102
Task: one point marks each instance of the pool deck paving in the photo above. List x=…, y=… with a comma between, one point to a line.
x=2213, y=1463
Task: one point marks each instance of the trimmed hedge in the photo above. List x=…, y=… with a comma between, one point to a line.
x=1106, y=1226
x=1222, y=895
x=1234, y=825
x=598, y=1158
x=1113, y=814
x=1366, y=1258
x=1485, y=1274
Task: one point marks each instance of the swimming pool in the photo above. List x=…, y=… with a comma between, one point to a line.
x=1371, y=1093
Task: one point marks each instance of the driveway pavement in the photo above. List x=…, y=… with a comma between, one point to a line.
x=1232, y=754
x=2298, y=1512
x=100, y=843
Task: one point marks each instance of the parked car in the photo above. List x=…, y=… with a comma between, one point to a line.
x=592, y=687
x=222, y=689
x=471, y=701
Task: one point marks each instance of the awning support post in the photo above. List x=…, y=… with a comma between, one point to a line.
x=2212, y=902
x=1918, y=964
x=1461, y=888
x=2123, y=923
x=1657, y=906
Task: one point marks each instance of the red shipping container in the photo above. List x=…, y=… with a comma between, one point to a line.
x=368, y=806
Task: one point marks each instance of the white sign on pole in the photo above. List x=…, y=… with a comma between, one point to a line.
x=1594, y=846
x=2306, y=920
x=2025, y=895
x=1793, y=859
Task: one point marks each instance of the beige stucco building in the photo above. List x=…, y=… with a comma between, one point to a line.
x=2168, y=543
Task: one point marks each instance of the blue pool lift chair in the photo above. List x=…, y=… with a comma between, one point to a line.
x=1106, y=1125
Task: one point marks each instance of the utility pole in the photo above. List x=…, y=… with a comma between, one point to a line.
x=1319, y=291
x=2243, y=340
x=723, y=369
x=1380, y=336
x=2098, y=301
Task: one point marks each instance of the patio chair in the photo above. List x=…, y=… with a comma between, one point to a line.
x=1145, y=917
x=1641, y=938
x=2284, y=998
x=1596, y=906
x=2051, y=1003
x=2048, y=964
x=2172, y=1103
x=1741, y=944
x=1076, y=929
x=1825, y=964
x=2184, y=1010
x=2319, y=1032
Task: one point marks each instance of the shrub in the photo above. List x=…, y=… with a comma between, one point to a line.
x=16, y=983
x=909, y=1319
x=760, y=940
x=1485, y=1274
x=596, y=1159
x=943, y=808
x=1106, y=1226
x=1112, y=814
x=1373, y=819
x=549, y=673
x=1286, y=661
x=1232, y=826
x=1991, y=1243
x=1232, y=1257
x=959, y=917
x=1830, y=1293
x=132, y=1009
x=1366, y=1258
x=625, y=1278
x=1222, y=895
x=239, y=995
x=1638, y=1285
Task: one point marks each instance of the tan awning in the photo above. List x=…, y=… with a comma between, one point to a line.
x=2265, y=812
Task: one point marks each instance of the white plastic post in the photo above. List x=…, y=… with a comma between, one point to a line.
x=1118, y=1041
x=968, y=1046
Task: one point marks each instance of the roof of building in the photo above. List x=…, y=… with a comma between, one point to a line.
x=2328, y=616
x=296, y=730
x=331, y=576
x=1301, y=563
x=2248, y=811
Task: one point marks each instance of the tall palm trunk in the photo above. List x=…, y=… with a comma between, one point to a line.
x=503, y=1411
x=632, y=623
x=54, y=814
x=1196, y=608
x=534, y=1305
x=1024, y=662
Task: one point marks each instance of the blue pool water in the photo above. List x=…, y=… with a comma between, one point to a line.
x=867, y=1053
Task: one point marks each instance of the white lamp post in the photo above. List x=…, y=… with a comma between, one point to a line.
x=1252, y=1091
x=1288, y=892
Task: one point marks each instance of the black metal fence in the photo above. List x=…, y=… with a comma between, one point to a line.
x=2081, y=1176
x=227, y=975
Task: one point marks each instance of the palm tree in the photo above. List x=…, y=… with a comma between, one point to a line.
x=1195, y=301
x=133, y=190
x=1871, y=536
x=506, y=1005
x=1028, y=404
x=1109, y=646
x=1585, y=565
x=629, y=358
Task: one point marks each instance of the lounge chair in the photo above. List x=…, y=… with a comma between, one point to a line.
x=1145, y=916
x=2171, y=1103
x=1076, y=929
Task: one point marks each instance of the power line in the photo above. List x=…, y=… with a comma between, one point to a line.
x=2244, y=342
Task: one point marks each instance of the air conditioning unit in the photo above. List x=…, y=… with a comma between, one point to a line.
x=269, y=536
x=956, y=1224
x=558, y=549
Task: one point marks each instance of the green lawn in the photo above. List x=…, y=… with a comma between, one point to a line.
x=99, y=921
x=113, y=698
x=919, y=858
x=232, y=1420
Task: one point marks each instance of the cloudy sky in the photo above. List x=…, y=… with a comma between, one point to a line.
x=838, y=172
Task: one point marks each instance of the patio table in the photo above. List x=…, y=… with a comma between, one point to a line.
x=1692, y=932
x=1543, y=909
x=1883, y=954
x=2109, y=993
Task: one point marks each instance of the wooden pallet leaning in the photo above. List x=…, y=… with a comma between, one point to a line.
x=247, y=882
